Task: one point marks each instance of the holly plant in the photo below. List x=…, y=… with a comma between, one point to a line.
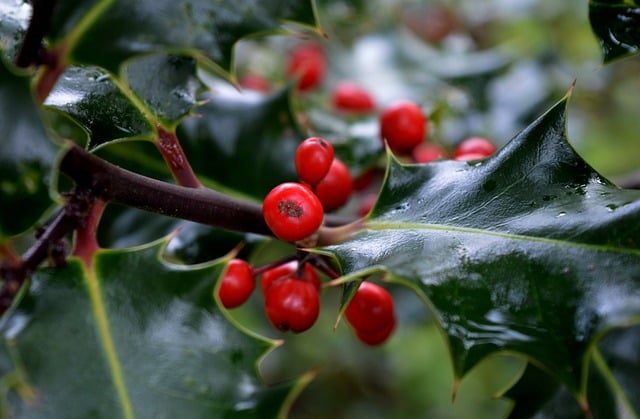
x=186, y=186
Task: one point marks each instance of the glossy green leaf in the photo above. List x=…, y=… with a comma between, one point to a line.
x=106, y=32
x=191, y=243
x=619, y=361
x=166, y=84
x=109, y=109
x=26, y=156
x=14, y=17
x=612, y=386
x=89, y=96
x=131, y=337
x=233, y=130
x=530, y=251
x=616, y=24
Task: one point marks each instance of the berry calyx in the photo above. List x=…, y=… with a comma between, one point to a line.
x=335, y=189
x=288, y=269
x=426, y=152
x=371, y=309
x=313, y=159
x=292, y=211
x=479, y=146
x=292, y=304
x=403, y=125
x=348, y=97
x=237, y=284
x=307, y=62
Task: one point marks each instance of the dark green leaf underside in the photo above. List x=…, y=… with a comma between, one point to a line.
x=89, y=96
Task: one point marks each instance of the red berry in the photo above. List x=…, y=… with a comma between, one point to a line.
x=292, y=211
x=335, y=189
x=313, y=159
x=474, y=145
x=237, y=284
x=403, y=125
x=371, y=309
x=366, y=204
x=288, y=269
x=470, y=156
x=292, y=304
x=351, y=98
x=426, y=152
x=377, y=337
x=308, y=63
x=254, y=82
x=365, y=179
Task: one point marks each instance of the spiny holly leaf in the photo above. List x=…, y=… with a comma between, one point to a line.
x=191, y=243
x=243, y=130
x=89, y=96
x=616, y=23
x=98, y=103
x=130, y=337
x=537, y=394
x=170, y=93
x=106, y=32
x=26, y=156
x=530, y=251
x=616, y=360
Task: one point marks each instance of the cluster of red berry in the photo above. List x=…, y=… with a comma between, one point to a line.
x=404, y=127
x=295, y=210
x=291, y=294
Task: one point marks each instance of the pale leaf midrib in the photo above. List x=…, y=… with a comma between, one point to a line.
x=380, y=226
x=108, y=345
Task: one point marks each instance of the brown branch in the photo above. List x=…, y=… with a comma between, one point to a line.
x=72, y=216
x=205, y=206
x=31, y=50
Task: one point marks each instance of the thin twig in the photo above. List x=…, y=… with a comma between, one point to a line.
x=31, y=49
x=72, y=216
